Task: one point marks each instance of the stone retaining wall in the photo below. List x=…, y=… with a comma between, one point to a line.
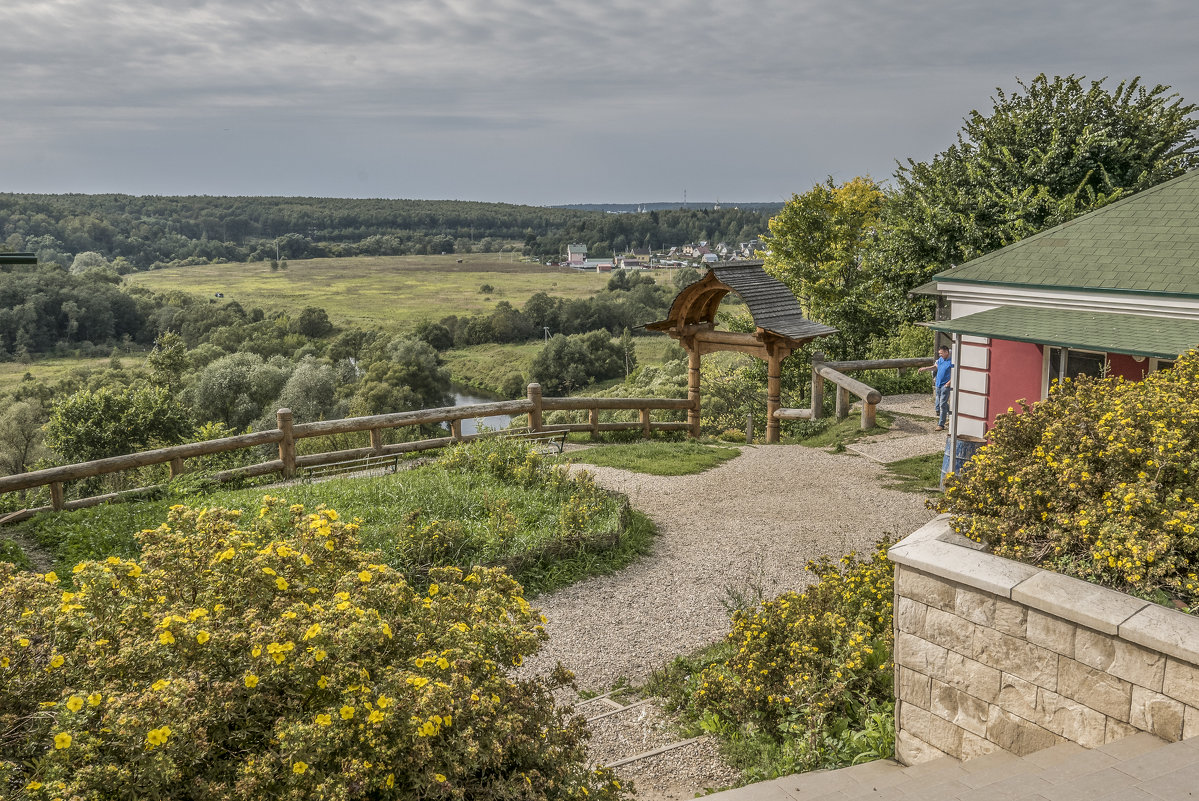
x=994, y=654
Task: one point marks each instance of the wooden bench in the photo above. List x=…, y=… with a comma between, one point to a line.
x=388, y=463
x=545, y=441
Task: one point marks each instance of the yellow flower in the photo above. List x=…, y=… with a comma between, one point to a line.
x=256, y=650
x=74, y=703
x=161, y=684
x=166, y=638
x=251, y=680
x=51, y=578
x=299, y=767
x=158, y=736
x=313, y=630
x=391, y=780
x=61, y=741
x=322, y=682
x=375, y=716
x=439, y=777
x=364, y=576
x=94, y=699
x=281, y=583
x=23, y=642
x=319, y=655
x=202, y=637
x=56, y=661
x=347, y=712
x=324, y=720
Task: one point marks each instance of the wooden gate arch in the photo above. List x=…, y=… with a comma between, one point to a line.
x=779, y=328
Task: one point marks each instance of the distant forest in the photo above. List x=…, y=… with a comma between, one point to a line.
x=134, y=233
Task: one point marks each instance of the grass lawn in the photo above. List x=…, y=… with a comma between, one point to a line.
x=842, y=432
x=479, y=517
x=919, y=474
x=389, y=291
x=658, y=458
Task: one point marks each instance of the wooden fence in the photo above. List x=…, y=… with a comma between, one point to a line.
x=288, y=433
x=835, y=371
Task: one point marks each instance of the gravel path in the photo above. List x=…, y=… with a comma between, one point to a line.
x=752, y=522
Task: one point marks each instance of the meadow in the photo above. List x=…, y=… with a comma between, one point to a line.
x=393, y=292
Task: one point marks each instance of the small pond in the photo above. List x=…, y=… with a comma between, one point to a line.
x=471, y=425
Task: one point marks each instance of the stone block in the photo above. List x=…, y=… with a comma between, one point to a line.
x=1156, y=714
x=1119, y=658
x=1116, y=730
x=1018, y=696
x=974, y=746
x=975, y=605
x=959, y=708
x=911, y=750
x=945, y=735
x=926, y=589
x=1190, y=722
x=975, y=569
x=949, y=631
x=1096, y=688
x=909, y=615
x=1015, y=734
x=1077, y=601
x=920, y=655
x=1051, y=632
x=1181, y=682
x=914, y=720
x=965, y=674
x=1016, y=656
x=1071, y=719
x=914, y=688
x=1010, y=617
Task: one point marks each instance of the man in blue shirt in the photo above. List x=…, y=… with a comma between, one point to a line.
x=942, y=377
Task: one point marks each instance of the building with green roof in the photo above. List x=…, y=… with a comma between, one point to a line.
x=1115, y=290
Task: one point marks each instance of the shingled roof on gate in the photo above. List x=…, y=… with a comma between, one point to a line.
x=771, y=304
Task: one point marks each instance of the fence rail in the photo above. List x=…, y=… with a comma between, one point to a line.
x=835, y=371
x=288, y=433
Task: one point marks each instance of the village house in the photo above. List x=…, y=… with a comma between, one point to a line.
x=576, y=254
x=1115, y=292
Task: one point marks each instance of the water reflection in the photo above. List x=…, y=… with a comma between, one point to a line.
x=471, y=425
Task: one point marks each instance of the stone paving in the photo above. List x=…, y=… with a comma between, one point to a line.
x=1136, y=768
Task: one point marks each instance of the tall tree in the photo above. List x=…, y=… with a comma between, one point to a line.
x=1048, y=152
x=816, y=246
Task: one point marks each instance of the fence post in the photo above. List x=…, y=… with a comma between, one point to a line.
x=749, y=428
x=817, y=385
x=645, y=430
x=56, y=501
x=534, y=391
x=376, y=440
x=287, y=445
x=867, y=414
x=176, y=467
x=594, y=419
x=842, y=402
x=456, y=430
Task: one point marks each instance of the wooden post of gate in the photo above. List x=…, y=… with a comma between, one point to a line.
x=774, y=386
x=645, y=431
x=693, y=419
x=534, y=391
x=817, y=385
x=287, y=445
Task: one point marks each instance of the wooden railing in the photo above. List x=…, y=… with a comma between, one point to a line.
x=288, y=433
x=835, y=371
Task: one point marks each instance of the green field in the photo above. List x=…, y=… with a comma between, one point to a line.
x=55, y=369
x=389, y=291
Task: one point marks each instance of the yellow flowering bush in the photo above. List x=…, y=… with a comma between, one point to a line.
x=1098, y=481
x=809, y=667
x=273, y=658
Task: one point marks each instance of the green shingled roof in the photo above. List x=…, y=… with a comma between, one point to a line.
x=1145, y=243
x=1113, y=333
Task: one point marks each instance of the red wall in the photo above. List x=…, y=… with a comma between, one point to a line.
x=1123, y=365
x=1015, y=375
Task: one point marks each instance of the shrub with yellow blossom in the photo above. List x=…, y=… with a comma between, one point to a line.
x=808, y=667
x=1097, y=481
x=273, y=658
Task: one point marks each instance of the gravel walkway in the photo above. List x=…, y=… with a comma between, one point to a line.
x=753, y=522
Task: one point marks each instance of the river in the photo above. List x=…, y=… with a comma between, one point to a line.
x=470, y=425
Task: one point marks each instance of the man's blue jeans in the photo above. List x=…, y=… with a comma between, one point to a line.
x=941, y=397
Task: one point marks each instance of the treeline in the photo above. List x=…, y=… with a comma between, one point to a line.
x=146, y=232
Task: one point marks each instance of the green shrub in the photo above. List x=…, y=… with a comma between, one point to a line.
x=807, y=682
x=273, y=658
x=1097, y=481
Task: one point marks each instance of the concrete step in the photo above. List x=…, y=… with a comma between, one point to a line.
x=1134, y=768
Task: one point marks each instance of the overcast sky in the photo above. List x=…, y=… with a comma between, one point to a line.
x=532, y=101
